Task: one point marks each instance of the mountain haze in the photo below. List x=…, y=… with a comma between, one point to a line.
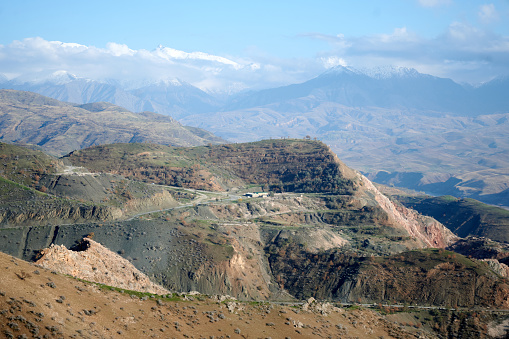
x=174, y=98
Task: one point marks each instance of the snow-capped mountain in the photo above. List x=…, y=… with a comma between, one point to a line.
x=388, y=87
x=384, y=87
x=172, y=97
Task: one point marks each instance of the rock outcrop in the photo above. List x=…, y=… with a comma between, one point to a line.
x=56, y=212
x=93, y=262
x=425, y=229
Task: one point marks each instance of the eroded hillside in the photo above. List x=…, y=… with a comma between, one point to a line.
x=323, y=230
x=35, y=302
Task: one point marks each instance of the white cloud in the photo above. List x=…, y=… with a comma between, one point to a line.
x=434, y=3
x=117, y=61
x=119, y=49
x=463, y=52
x=488, y=14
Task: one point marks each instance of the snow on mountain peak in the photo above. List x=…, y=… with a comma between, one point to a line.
x=380, y=72
x=55, y=77
x=342, y=70
x=386, y=72
x=171, y=53
x=171, y=82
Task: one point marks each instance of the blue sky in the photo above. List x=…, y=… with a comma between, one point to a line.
x=286, y=40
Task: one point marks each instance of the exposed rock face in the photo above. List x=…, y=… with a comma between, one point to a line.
x=498, y=267
x=427, y=230
x=93, y=262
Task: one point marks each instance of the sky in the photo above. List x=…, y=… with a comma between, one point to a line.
x=232, y=45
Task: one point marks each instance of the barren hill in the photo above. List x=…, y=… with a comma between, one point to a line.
x=36, y=302
x=58, y=127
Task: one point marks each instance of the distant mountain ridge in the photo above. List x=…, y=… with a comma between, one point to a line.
x=175, y=98
x=59, y=127
x=386, y=87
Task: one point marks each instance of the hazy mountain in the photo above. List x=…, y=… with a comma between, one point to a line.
x=173, y=98
x=384, y=87
x=492, y=96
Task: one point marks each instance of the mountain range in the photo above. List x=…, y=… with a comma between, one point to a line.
x=188, y=219
x=385, y=87
x=397, y=125
x=174, y=97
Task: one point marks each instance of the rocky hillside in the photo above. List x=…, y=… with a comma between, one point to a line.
x=37, y=302
x=277, y=165
x=323, y=231
x=465, y=217
x=36, y=189
x=92, y=262
x=423, y=277
x=59, y=128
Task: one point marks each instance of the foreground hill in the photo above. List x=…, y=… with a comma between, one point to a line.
x=36, y=302
x=58, y=127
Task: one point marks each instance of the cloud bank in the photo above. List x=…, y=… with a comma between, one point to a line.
x=463, y=52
